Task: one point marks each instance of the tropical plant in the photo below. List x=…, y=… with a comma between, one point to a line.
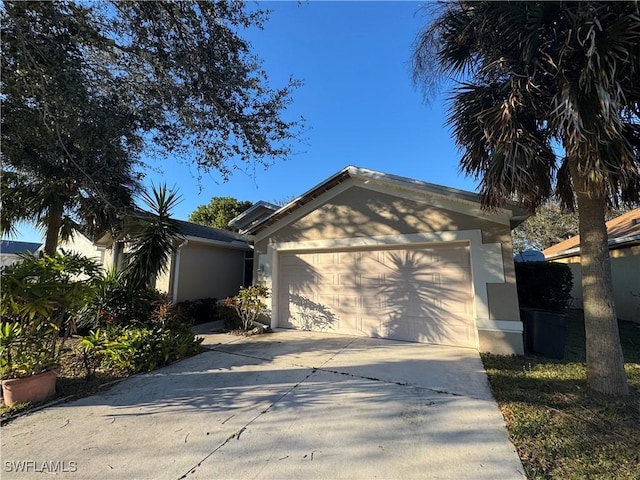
x=93, y=348
x=152, y=238
x=219, y=212
x=40, y=299
x=114, y=303
x=548, y=106
x=26, y=350
x=137, y=348
x=164, y=312
x=249, y=304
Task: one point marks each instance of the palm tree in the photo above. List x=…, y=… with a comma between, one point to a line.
x=59, y=199
x=152, y=237
x=548, y=105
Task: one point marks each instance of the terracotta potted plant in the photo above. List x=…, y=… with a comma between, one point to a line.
x=28, y=365
x=40, y=298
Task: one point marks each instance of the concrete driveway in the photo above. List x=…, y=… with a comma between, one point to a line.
x=288, y=405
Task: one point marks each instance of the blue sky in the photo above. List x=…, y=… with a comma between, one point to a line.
x=358, y=99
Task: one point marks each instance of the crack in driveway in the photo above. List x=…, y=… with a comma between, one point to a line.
x=313, y=370
x=237, y=434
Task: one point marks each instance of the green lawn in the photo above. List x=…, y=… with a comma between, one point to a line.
x=560, y=429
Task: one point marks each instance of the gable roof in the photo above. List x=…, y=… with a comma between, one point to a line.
x=622, y=231
x=519, y=215
x=251, y=216
x=14, y=247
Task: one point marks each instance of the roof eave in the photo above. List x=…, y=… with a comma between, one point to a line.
x=519, y=215
x=614, y=244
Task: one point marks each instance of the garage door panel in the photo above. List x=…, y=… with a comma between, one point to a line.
x=306, y=313
x=405, y=294
x=420, y=329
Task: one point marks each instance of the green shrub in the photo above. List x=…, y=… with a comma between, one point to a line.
x=93, y=347
x=249, y=304
x=115, y=303
x=231, y=319
x=138, y=348
x=40, y=300
x=544, y=285
x=27, y=350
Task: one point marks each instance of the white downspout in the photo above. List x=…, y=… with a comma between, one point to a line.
x=175, y=273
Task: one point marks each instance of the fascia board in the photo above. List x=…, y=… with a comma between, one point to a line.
x=237, y=221
x=235, y=244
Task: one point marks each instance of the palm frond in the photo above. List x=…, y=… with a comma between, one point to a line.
x=152, y=237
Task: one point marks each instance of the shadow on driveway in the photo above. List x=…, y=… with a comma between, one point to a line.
x=285, y=405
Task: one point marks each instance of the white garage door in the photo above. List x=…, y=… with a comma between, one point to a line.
x=417, y=294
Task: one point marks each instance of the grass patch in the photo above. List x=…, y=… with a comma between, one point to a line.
x=561, y=429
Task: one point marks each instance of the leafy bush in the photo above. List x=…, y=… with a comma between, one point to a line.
x=137, y=348
x=231, y=319
x=544, y=285
x=116, y=303
x=26, y=350
x=40, y=300
x=249, y=304
x=164, y=312
x=93, y=349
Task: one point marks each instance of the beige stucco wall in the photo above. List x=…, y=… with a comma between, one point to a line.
x=78, y=243
x=625, y=276
x=7, y=259
x=208, y=271
x=361, y=212
x=163, y=281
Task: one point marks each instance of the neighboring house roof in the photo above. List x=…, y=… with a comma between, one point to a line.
x=519, y=215
x=254, y=214
x=196, y=231
x=192, y=232
x=622, y=231
x=12, y=247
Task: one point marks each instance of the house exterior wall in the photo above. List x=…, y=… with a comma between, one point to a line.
x=205, y=271
x=163, y=281
x=366, y=216
x=625, y=277
x=7, y=259
x=78, y=243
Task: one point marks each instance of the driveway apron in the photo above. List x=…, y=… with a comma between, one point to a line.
x=287, y=405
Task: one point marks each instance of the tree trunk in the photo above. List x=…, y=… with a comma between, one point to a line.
x=605, y=362
x=54, y=222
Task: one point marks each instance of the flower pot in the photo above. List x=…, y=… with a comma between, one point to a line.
x=34, y=388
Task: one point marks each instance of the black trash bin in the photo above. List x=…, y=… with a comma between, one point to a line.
x=545, y=332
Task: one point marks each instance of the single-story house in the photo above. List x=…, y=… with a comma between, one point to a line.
x=208, y=263
x=10, y=250
x=378, y=255
x=624, y=252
